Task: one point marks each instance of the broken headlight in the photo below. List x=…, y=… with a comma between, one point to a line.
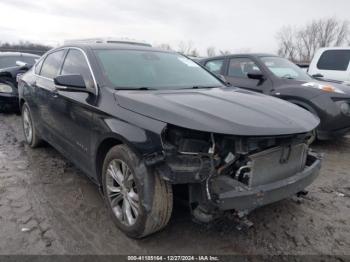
x=186, y=141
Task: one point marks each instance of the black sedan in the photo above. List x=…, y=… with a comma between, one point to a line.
x=14, y=65
x=138, y=120
x=276, y=76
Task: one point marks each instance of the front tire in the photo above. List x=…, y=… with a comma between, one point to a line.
x=29, y=130
x=139, y=201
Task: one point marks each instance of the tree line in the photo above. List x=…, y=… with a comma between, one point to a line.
x=187, y=48
x=25, y=47
x=299, y=44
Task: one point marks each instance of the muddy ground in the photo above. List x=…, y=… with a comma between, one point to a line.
x=47, y=206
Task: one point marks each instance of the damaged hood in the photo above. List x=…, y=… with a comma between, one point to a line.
x=228, y=110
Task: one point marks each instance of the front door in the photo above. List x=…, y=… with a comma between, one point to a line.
x=237, y=75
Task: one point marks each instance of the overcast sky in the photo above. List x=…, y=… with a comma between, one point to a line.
x=235, y=25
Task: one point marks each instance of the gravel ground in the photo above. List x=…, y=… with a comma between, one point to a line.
x=47, y=206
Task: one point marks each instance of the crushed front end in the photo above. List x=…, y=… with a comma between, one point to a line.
x=226, y=172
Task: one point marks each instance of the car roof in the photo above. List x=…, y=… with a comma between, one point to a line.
x=17, y=54
x=239, y=55
x=111, y=46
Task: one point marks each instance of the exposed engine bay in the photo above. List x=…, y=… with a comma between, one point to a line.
x=236, y=157
x=216, y=164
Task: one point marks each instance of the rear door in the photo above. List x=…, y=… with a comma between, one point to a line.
x=237, y=72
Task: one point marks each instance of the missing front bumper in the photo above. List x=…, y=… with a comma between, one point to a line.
x=233, y=195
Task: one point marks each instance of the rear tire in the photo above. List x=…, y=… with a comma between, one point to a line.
x=30, y=133
x=154, y=202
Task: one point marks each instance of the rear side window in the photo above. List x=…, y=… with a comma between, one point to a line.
x=8, y=61
x=52, y=64
x=75, y=63
x=215, y=66
x=334, y=60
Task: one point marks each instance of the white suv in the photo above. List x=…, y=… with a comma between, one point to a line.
x=332, y=63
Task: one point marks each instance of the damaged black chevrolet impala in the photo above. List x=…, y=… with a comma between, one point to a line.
x=139, y=121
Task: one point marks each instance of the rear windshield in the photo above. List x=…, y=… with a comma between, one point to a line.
x=135, y=69
x=334, y=60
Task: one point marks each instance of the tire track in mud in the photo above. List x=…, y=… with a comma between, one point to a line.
x=23, y=231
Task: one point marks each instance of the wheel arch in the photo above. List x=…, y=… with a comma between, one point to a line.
x=103, y=148
x=21, y=103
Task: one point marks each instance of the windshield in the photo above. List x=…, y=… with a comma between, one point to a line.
x=134, y=69
x=285, y=69
x=10, y=61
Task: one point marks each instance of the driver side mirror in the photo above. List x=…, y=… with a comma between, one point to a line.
x=256, y=76
x=71, y=83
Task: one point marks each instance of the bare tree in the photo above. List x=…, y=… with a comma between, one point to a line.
x=24, y=46
x=287, y=46
x=300, y=44
x=211, y=51
x=194, y=52
x=185, y=47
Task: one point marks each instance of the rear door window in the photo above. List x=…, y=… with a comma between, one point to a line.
x=52, y=64
x=337, y=60
x=215, y=66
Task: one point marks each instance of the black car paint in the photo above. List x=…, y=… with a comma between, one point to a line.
x=321, y=103
x=9, y=101
x=211, y=110
x=9, y=75
x=83, y=126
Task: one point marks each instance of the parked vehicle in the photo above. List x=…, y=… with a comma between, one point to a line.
x=138, y=120
x=276, y=76
x=9, y=59
x=8, y=81
x=331, y=63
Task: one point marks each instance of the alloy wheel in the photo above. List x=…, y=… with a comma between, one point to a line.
x=27, y=125
x=122, y=192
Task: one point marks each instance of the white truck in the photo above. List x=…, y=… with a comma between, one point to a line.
x=331, y=63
